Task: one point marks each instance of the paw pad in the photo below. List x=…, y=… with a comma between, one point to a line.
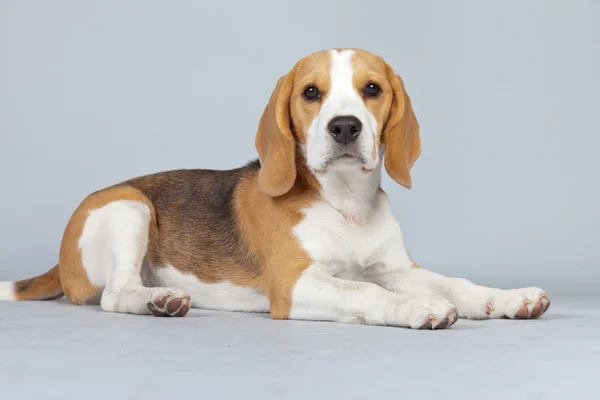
x=167, y=305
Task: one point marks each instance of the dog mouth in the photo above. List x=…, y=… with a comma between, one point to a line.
x=344, y=159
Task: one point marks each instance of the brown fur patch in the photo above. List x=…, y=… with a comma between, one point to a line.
x=197, y=230
x=43, y=287
x=219, y=226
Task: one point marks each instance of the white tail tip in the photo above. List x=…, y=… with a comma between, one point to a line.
x=7, y=291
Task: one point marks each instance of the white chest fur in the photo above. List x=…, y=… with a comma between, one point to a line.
x=350, y=239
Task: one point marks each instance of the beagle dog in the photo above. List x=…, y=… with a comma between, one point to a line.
x=305, y=232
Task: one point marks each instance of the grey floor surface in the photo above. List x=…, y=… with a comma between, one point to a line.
x=53, y=350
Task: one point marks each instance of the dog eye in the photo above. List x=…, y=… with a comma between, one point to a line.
x=372, y=90
x=311, y=93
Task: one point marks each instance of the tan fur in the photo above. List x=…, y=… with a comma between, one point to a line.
x=369, y=68
x=43, y=287
x=312, y=70
x=73, y=278
x=401, y=134
x=393, y=111
x=275, y=143
x=286, y=119
x=266, y=224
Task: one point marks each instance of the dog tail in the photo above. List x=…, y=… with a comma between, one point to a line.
x=43, y=287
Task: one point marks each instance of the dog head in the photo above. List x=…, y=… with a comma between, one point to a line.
x=337, y=110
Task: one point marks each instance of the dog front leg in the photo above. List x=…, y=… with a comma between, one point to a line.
x=472, y=301
x=319, y=296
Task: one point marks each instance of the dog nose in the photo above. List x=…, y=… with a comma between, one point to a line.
x=344, y=129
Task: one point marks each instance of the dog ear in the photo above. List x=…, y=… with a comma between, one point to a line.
x=401, y=134
x=275, y=143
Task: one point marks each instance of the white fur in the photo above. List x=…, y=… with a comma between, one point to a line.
x=113, y=245
x=7, y=291
x=362, y=273
x=344, y=249
x=472, y=301
x=318, y=295
x=215, y=296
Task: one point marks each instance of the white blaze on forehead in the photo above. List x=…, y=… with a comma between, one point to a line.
x=342, y=97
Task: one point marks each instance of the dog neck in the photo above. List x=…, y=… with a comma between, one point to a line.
x=353, y=193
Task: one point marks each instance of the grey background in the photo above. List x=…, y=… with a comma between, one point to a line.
x=506, y=191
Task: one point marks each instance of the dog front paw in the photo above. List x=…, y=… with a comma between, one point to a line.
x=526, y=303
x=429, y=313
